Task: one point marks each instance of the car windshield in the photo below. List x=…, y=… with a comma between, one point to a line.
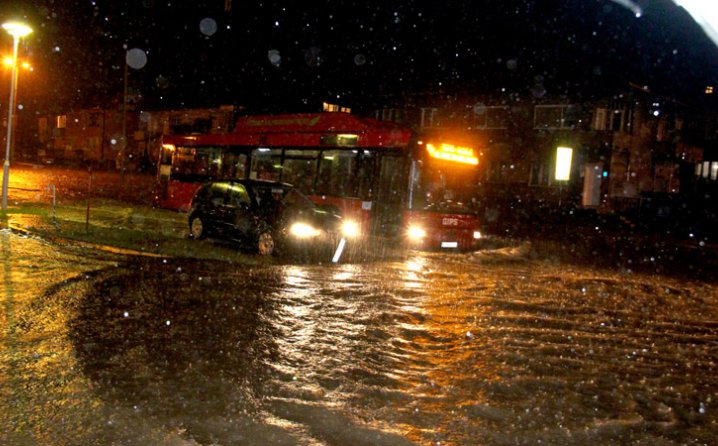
x=286, y=195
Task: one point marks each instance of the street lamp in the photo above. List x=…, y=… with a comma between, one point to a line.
x=17, y=31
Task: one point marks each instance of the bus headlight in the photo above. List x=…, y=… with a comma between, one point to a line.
x=350, y=229
x=416, y=233
x=303, y=230
x=477, y=235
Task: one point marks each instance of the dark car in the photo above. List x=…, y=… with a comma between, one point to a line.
x=267, y=216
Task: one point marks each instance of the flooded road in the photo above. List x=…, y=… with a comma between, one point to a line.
x=496, y=347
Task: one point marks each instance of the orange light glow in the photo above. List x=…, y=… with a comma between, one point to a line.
x=7, y=61
x=450, y=152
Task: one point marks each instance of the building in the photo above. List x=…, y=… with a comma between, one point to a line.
x=94, y=136
x=625, y=151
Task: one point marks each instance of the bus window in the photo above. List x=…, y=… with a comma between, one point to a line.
x=234, y=165
x=182, y=160
x=266, y=164
x=195, y=163
x=338, y=173
x=389, y=194
x=366, y=175
x=300, y=168
x=214, y=161
x=393, y=179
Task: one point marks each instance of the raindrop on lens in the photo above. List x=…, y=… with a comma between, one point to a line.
x=136, y=58
x=275, y=58
x=359, y=60
x=208, y=26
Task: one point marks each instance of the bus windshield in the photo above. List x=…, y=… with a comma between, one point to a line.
x=443, y=190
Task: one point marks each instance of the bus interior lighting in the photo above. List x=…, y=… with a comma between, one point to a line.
x=450, y=152
x=340, y=139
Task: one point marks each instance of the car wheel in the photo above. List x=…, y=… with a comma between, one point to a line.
x=197, y=229
x=265, y=243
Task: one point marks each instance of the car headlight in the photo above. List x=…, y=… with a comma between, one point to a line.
x=350, y=229
x=303, y=230
x=477, y=235
x=416, y=233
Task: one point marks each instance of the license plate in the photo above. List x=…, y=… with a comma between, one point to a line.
x=449, y=244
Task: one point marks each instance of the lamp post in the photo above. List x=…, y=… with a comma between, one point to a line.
x=18, y=31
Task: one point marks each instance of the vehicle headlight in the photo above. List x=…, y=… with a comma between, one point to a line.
x=303, y=230
x=416, y=233
x=477, y=235
x=350, y=229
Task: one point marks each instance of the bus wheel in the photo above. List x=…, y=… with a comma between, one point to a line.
x=197, y=229
x=265, y=243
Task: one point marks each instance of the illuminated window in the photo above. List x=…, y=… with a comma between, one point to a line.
x=61, y=122
x=714, y=170
x=601, y=119
x=709, y=89
x=563, y=163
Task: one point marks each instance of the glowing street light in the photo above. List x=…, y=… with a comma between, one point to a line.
x=17, y=31
x=25, y=65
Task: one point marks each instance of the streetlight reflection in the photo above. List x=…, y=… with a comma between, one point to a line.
x=17, y=31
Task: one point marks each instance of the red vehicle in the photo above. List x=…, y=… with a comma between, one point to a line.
x=375, y=173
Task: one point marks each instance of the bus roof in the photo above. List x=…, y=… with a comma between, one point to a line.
x=305, y=129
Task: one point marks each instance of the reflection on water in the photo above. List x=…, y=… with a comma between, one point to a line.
x=472, y=349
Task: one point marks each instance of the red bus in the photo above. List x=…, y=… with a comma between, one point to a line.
x=376, y=173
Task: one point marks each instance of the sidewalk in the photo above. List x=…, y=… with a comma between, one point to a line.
x=112, y=226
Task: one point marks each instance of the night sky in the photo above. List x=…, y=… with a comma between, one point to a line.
x=290, y=56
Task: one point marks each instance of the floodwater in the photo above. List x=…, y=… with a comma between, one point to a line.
x=496, y=347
